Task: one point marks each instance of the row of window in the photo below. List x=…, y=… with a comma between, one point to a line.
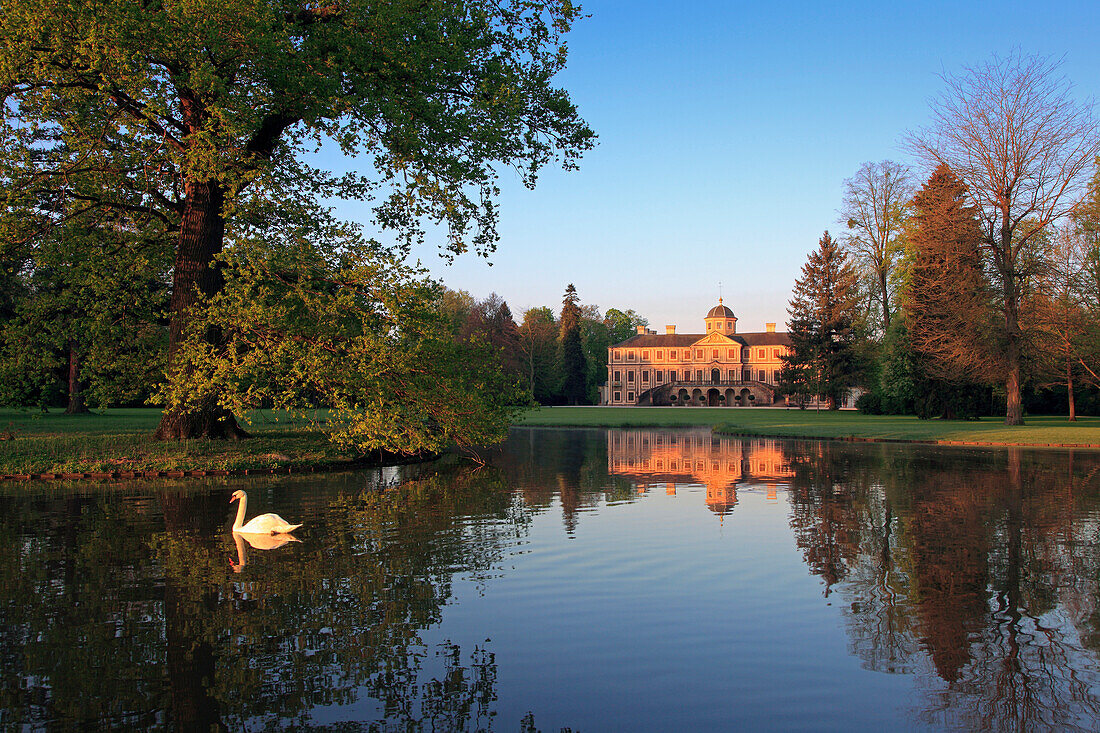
x=700, y=375
x=700, y=354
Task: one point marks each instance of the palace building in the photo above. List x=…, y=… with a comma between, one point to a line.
x=718, y=368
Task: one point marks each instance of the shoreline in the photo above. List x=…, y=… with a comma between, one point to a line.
x=331, y=467
x=912, y=441
x=113, y=445
x=1040, y=431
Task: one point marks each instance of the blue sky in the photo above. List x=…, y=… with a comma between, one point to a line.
x=726, y=132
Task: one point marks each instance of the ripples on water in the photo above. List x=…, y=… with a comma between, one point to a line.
x=630, y=580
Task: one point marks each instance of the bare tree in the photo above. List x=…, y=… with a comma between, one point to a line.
x=1063, y=309
x=1011, y=131
x=876, y=200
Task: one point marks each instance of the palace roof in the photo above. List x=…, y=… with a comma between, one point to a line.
x=683, y=340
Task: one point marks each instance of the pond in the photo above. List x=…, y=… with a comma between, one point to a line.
x=582, y=579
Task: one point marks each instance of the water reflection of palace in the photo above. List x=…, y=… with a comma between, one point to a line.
x=722, y=464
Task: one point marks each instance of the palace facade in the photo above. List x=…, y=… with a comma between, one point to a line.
x=719, y=368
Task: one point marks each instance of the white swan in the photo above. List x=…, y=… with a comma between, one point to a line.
x=263, y=524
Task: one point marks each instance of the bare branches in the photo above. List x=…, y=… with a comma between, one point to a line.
x=874, y=210
x=1010, y=130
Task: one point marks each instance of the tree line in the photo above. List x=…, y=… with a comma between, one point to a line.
x=977, y=288
x=559, y=360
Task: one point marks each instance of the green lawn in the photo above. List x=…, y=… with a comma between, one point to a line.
x=1039, y=430
x=118, y=440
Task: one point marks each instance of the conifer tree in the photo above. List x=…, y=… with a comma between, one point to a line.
x=574, y=366
x=823, y=359
x=947, y=300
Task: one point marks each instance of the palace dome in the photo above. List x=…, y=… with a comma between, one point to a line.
x=720, y=311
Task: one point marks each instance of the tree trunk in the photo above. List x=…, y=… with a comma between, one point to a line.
x=202, y=231
x=76, y=394
x=1014, y=413
x=1005, y=262
x=1069, y=391
x=885, y=302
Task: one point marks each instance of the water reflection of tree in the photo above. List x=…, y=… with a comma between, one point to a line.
x=977, y=571
x=570, y=465
x=102, y=626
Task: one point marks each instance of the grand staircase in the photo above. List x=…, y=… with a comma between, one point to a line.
x=725, y=393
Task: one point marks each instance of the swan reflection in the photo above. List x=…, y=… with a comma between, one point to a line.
x=257, y=542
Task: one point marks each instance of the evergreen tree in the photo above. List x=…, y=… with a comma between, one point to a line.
x=574, y=365
x=947, y=302
x=824, y=341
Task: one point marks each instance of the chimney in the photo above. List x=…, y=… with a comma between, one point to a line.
x=641, y=329
x=770, y=327
x=670, y=329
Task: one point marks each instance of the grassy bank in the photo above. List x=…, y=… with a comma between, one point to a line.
x=118, y=440
x=1039, y=430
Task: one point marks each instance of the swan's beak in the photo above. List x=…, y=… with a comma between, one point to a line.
x=232, y=499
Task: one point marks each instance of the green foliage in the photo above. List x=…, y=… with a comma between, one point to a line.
x=574, y=366
x=200, y=114
x=538, y=351
x=908, y=385
x=356, y=332
x=621, y=325
x=595, y=340
x=436, y=93
x=824, y=356
x=105, y=312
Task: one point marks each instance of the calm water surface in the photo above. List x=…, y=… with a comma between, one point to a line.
x=590, y=580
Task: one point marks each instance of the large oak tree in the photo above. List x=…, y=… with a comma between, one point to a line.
x=1011, y=131
x=189, y=110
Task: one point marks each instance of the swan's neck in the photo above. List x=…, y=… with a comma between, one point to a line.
x=239, y=521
